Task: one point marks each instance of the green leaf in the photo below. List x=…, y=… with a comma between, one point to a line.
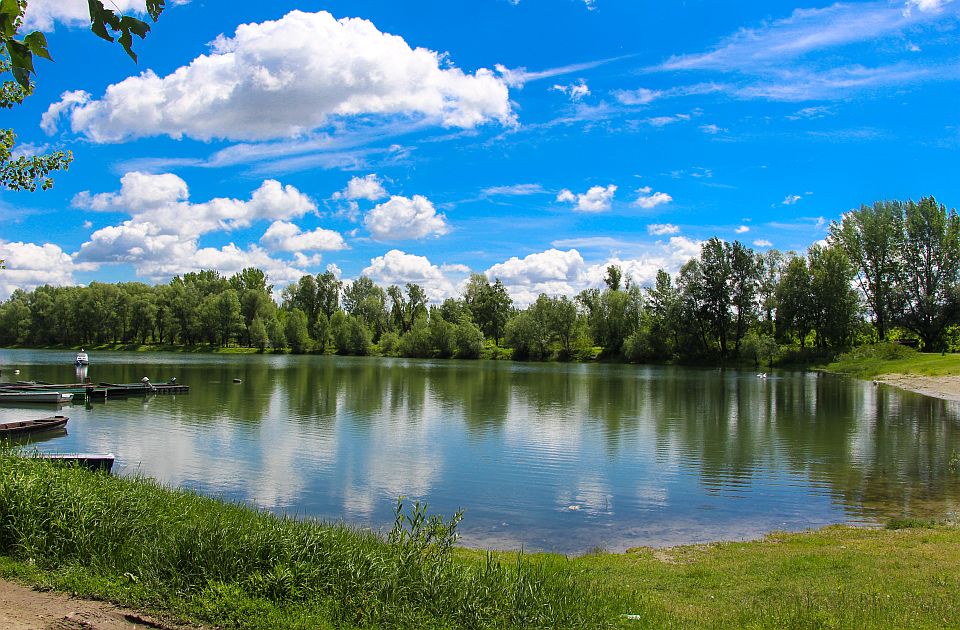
x=37, y=43
x=20, y=55
x=126, y=40
x=22, y=77
x=155, y=8
x=135, y=26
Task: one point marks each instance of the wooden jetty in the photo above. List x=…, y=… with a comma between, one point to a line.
x=92, y=461
x=101, y=390
x=24, y=427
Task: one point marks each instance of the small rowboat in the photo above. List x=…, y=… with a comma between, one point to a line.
x=11, y=429
x=22, y=396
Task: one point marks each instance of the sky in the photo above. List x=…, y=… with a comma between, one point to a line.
x=535, y=141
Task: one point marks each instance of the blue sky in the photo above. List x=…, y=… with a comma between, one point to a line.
x=533, y=140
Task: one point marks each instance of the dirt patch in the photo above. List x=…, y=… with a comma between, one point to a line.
x=22, y=608
x=943, y=387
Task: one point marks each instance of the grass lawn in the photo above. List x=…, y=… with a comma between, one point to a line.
x=879, y=359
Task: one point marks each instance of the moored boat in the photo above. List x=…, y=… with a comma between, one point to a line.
x=35, y=396
x=82, y=358
x=39, y=425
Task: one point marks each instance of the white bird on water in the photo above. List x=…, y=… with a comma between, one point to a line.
x=762, y=375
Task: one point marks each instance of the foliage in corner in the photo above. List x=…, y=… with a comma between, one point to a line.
x=27, y=172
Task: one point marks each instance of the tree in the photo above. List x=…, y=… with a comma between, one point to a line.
x=295, y=330
x=794, y=295
x=835, y=303
x=613, y=277
x=258, y=334
x=489, y=305
x=928, y=272
x=328, y=293
x=744, y=277
x=871, y=239
x=17, y=57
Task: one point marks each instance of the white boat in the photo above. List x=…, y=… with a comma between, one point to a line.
x=82, y=358
x=20, y=396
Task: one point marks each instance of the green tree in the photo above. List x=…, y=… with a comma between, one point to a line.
x=490, y=305
x=794, y=295
x=295, y=330
x=259, y=338
x=835, y=304
x=928, y=272
x=871, y=239
x=328, y=293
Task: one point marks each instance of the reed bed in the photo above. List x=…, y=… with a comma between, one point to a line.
x=235, y=566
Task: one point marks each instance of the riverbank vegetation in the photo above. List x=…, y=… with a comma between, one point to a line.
x=135, y=543
x=143, y=545
x=886, y=272
x=890, y=358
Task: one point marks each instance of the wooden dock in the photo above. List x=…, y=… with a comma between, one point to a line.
x=99, y=391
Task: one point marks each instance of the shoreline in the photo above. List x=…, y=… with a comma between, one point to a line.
x=942, y=387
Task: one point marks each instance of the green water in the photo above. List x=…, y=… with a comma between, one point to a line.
x=541, y=456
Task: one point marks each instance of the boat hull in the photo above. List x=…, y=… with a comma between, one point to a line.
x=25, y=427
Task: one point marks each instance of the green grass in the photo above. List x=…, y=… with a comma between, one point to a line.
x=139, y=544
x=888, y=358
x=180, y=555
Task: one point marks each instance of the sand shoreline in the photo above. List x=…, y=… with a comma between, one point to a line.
x=943, y=387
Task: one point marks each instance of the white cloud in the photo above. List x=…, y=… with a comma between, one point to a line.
x=762, y=242
x=663, y=121
x=648, y=199
x=662, y=229
x=304, y=69
x=369, y=188
x=596, y=199
x=774, y=61
x=161, y=238
x=640, y=96
x=789, y=200
x=576, y=92
x=743, y=229
x=712, y=129
x=517, y=190
x=518, y=77
x=926, y=6
x=43, y=14
x=812, y=113
x=557, y=272
x=402, y=218
x=30, y=265
x=398, y=267
x=287, y=237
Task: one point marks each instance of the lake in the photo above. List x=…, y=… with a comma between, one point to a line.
x=557, y=457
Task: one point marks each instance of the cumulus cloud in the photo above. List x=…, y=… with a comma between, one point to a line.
x=557, y=272
x=576, y=92
x=743, y=229
x=402, y=218
x=304, y=69
x=161, y=238
x=662, y=229
x=288, y=237
x=648, y=199
x=597, y=199
x=762, y=242
x=369, y=188
x=30, y=265
x=398, y=267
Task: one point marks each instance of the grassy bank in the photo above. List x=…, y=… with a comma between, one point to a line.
x=889, y=358
x=140, y=545
x=134, y=542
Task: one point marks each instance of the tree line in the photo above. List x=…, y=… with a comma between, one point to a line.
x=890, y=270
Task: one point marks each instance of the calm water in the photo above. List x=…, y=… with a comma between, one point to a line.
x=541, y=456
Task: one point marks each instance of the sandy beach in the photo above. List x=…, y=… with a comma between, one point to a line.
x=943, y=387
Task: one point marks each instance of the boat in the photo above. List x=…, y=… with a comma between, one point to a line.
x=11, y=429
x=92, y=461
x=82, y=358
x=35, y=396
